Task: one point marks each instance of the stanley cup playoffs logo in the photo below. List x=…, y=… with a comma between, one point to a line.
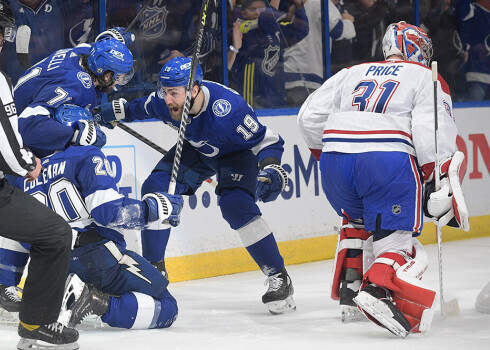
x=154, y=21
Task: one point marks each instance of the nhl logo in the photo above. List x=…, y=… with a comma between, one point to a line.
x=270, y=60
x=154, y=21
x=396, y=209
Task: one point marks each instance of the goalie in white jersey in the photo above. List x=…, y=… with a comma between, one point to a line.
x=372, y=128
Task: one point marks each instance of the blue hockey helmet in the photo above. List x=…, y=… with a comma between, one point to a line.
x=108, y=54
x=176, y=72
x=68, y=114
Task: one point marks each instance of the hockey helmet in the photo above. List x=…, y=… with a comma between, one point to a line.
x=69, y=114
x=7, y=22
x=408, y=41
x=176, y=73
x=108, y=54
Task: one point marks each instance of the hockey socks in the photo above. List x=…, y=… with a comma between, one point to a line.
x=140, y=311
x=154, y=243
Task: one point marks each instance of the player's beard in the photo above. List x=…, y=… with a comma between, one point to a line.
x=175, y=111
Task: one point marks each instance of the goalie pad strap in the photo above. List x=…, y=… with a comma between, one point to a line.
x=348, y=238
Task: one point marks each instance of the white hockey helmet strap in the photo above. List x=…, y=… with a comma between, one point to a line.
x=408, y=41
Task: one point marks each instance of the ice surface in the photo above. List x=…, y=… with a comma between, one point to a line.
x=226, y=313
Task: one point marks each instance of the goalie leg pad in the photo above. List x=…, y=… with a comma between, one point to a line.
x=412, y=298
x=351, y=237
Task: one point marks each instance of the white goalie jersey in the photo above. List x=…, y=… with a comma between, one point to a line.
x=380, y=106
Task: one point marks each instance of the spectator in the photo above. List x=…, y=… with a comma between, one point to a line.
x=166, y=30
x=73, y=21
x=448, y=49
x=370, y=25
x=256, y=60
x=475, y=35
x=303, y=62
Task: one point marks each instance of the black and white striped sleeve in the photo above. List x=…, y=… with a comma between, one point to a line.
x=14, y=158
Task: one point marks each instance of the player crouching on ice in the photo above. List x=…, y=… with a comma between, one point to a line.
x=122, y=287
x=371, y=126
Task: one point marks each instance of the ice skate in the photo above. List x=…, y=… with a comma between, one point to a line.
x=51, y=336
x=376, y=304
x=9, y=305
x=91, y=302
x=160, y=266
x=348, y=291
x=9, y=298
x=279, y=295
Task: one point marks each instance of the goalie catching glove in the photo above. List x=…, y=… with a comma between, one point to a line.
x=87, y=133
x=448, y=204
x=163, y=210
x=108, y=114
x=271, y=181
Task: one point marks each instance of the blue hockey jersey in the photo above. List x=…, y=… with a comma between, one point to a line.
x=56, y=80
x=226, y=123
x=79, y=184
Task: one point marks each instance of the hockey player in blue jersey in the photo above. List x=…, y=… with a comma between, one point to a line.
x=78, y=183
x=79, y=76
x=224, y=138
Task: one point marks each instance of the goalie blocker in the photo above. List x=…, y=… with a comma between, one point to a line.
x=448, y=203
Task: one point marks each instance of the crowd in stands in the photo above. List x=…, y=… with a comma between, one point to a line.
x=276, y=55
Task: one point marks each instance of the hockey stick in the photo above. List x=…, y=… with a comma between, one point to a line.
x=22, y=45
x=185, y=112
x=152, y=145
x=133, y=22
x=450, y=308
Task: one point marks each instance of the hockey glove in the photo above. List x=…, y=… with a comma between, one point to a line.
x=86, y=133
x=448, y=204
x=108, y=114
x=271, y=181
x=163, y=210
x=119, y=33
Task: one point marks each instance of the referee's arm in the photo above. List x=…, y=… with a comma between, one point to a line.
x=14, y=158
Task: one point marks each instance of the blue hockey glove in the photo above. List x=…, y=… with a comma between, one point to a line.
x=108, y=113
x=271, y=181
x=163, y=210
x=119, y=33
x=86, y=133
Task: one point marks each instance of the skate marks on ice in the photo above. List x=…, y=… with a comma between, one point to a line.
x=227, y=313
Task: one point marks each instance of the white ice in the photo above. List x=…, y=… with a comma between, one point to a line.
x=226, y=313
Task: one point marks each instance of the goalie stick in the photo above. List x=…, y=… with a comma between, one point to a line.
x=22, y=45
x=185, y=112
x=451, y=307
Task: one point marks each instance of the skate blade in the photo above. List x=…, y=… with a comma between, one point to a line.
x=282, y=306
x=8, y=318
x=25, y=344
x=350, y=314
x=380, y=312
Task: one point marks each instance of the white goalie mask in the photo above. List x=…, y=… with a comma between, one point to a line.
x=408, y=41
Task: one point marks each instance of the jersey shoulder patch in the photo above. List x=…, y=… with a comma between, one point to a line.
x=85, y=79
